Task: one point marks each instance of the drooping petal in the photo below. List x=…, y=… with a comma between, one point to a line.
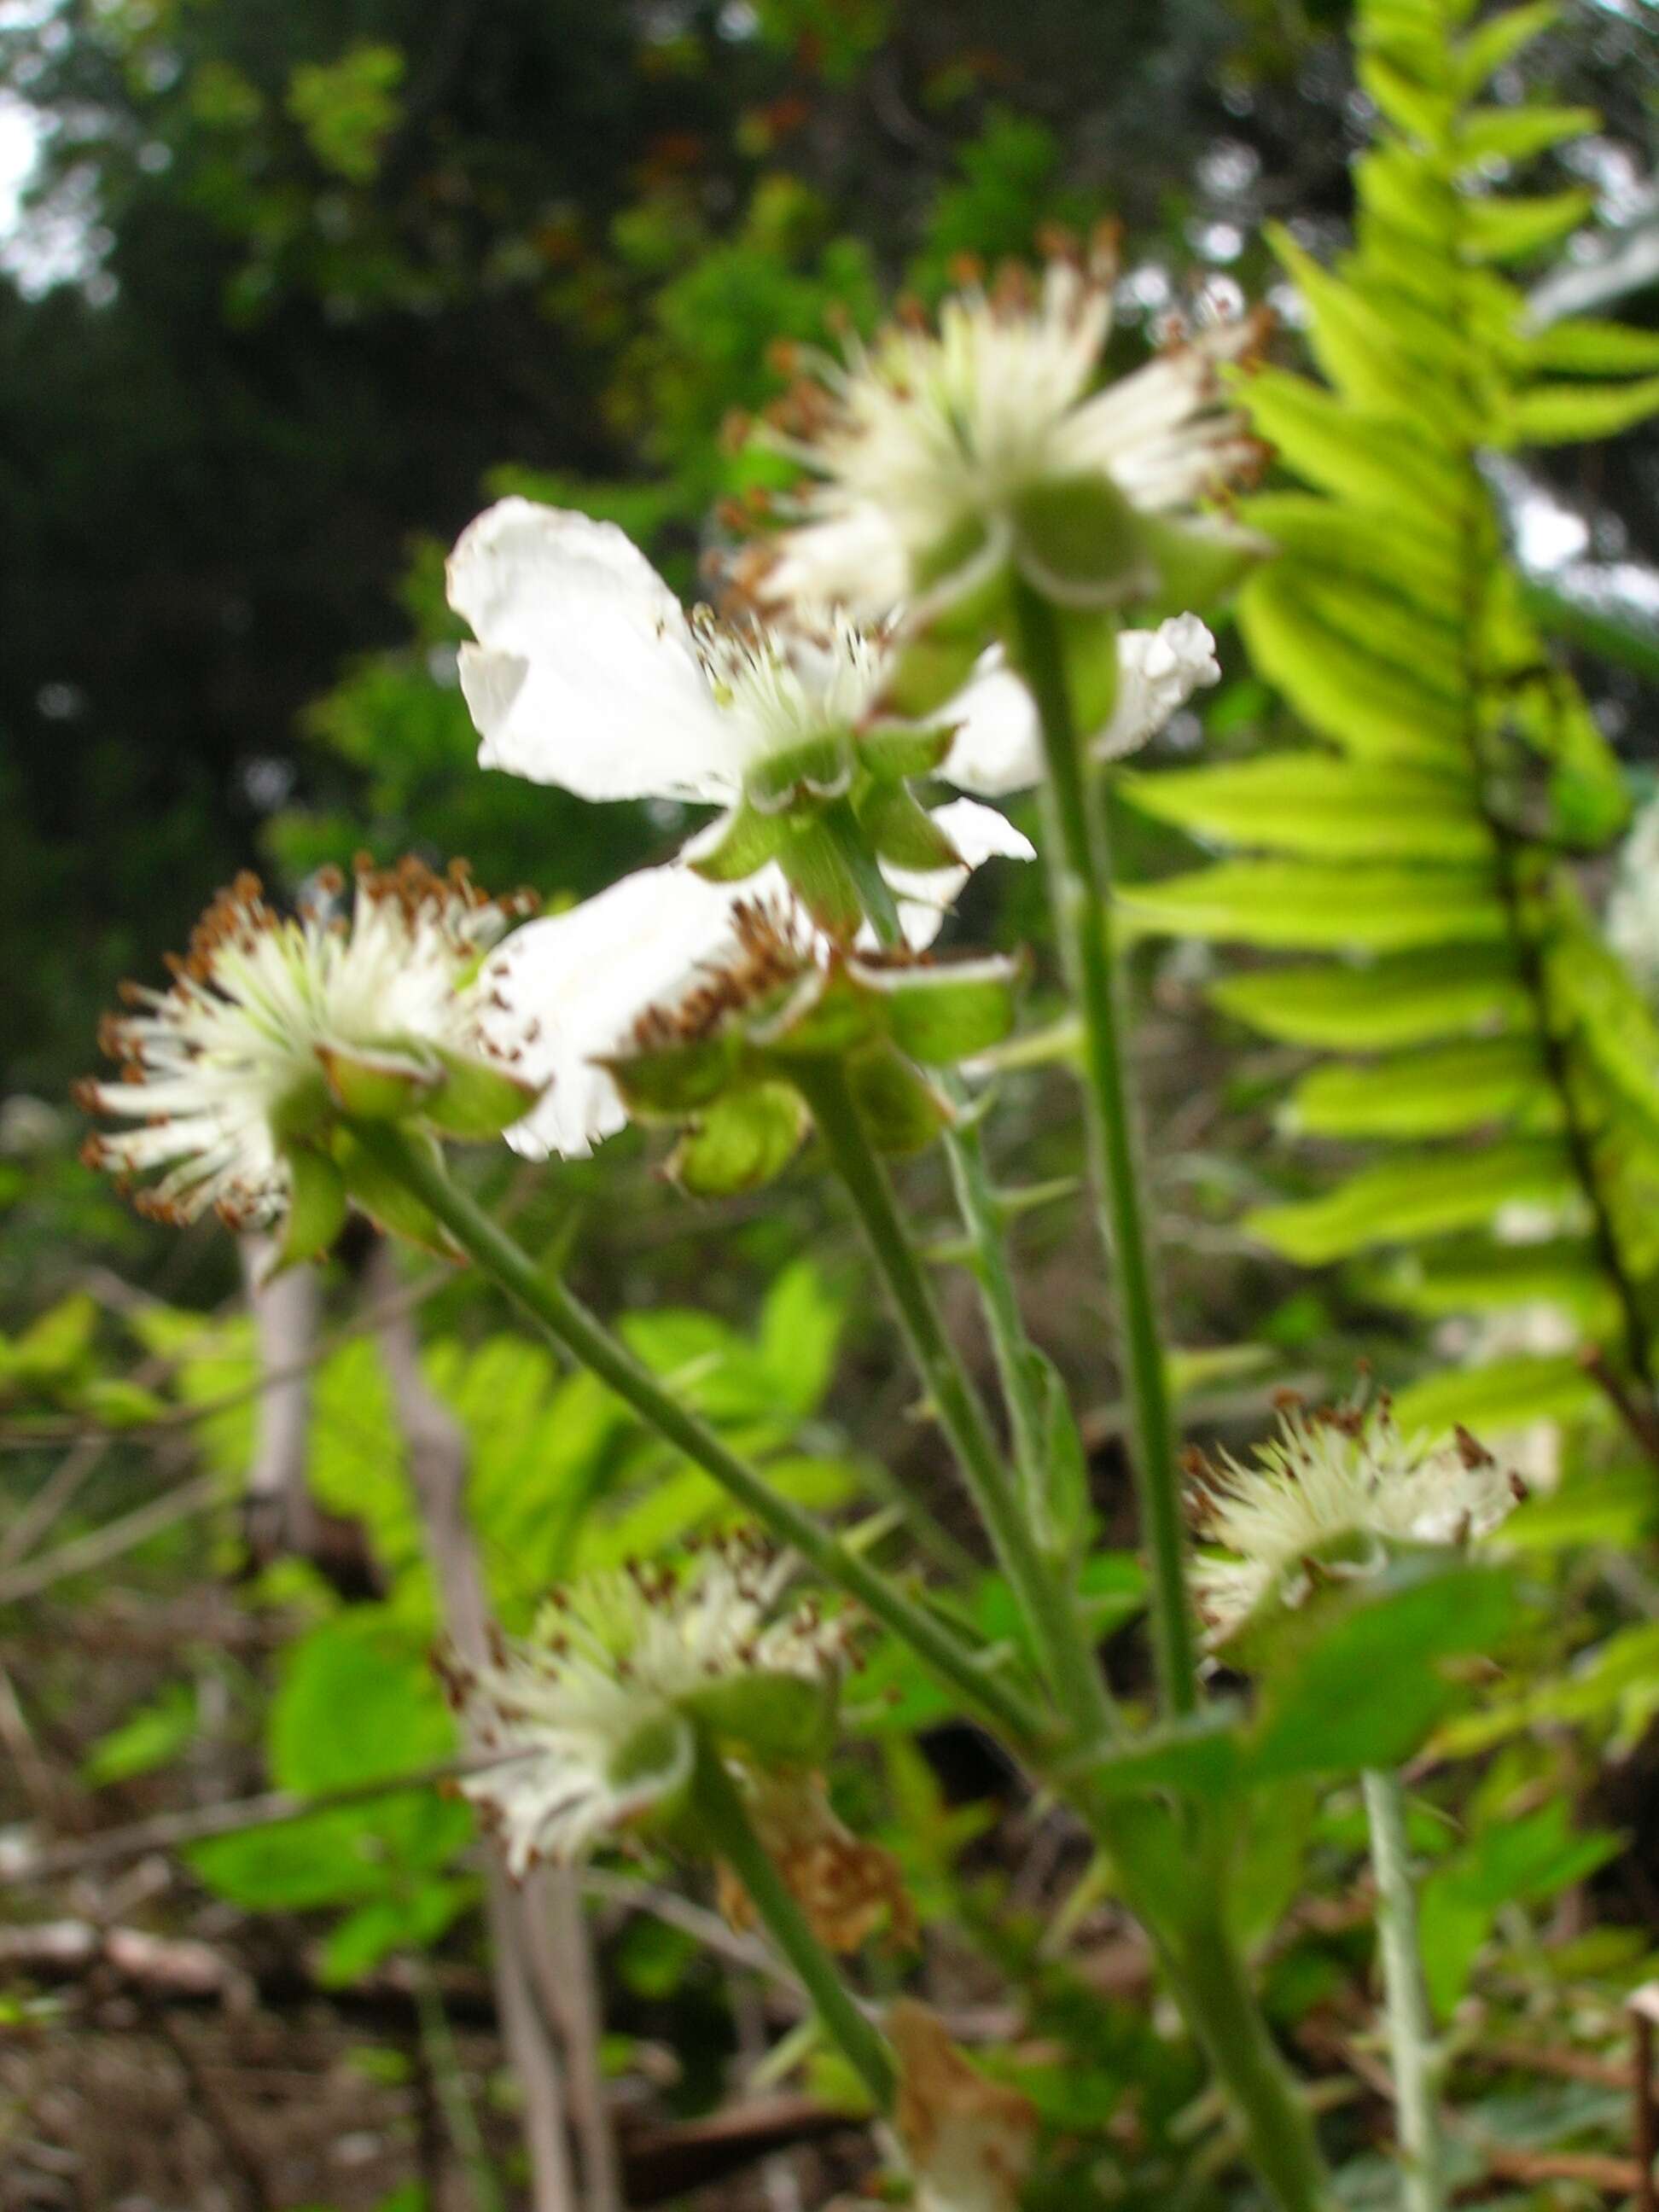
x=979, y=834
x=1157, y=672
x=582, y=978
x=584, y=674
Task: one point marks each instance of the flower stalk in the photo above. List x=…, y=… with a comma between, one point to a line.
x=569, y=1322
x=728, y=1829
x=1413, y=2051
x=1079, y=878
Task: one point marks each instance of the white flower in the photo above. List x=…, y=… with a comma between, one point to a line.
x=1632, y=915
x=588, y=673
x=571, y=988
x=1328, y=1476
x=234, y=1059
x=590, y=1711
x=924, y=434
x=998, y=747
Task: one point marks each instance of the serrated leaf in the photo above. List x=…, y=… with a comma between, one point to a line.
x=1423, y=112
x=1516, y=134
x=1296, y=904
x=1398, y=188
x=1484, y=51
x=1338, y=538
x=1566, y=414
x=1355, y=455
x=1511, y=229
x=1429, y=1195
x=1359, y=348
x=1440, y=1093
x=1368, y=706
x=1314, y=805
x=1409, y=999
x=1581, y=348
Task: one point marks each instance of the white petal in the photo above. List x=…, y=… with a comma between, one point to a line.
x=584, y=977
x=584, y=674
x=997, y=747
x=979, y=834
x=853, y=559
x=1157, y=672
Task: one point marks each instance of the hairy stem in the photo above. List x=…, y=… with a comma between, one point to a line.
x=1079, y=879
x=1413, y=2051
x=1049, y=1609
x=569, y=1322
x=733, y=1835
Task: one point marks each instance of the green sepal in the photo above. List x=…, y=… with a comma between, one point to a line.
x=1197, y=563
x=316, y=1206
x=652, y=1772
x=668, y=1081
x=745, y=1139
x=775, y=1719
x=941, y=1015
x=1079, y=541
x=890, y=752
x=478, y=1097
x=824, y=1014
x=373, y=1085
x=900, y=828
x=930, y=668
x=819, y=767
x=745, y=840
x=385, y=1200
x=820, y=875
x=899, y=1109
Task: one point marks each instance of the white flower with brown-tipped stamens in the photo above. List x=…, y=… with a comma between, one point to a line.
x=1324, y=1497
x=269, y=1018
x=595, y=1713
x=921, y=444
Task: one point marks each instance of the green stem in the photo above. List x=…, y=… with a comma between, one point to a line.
x=1412, y=2050
x=1048, y=1608
x=444, y=2065
x=565, y=1319
x=1079, y=878
x=1214, y=1988
x=732, y=1834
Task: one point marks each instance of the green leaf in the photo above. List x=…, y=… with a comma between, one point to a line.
x=1409, y=998
x=1299, y=904
x=1520, y=1860
x=1359, y=348
x=1428, y=1195
x=1423, y=112
x=1336, y=537
x=154, y=1735
x=1477, y=1277
x=1500, y=1395
x=1485, y=50
x=1325, y=808
x=1513, y=229
x=1516, y=134
x=1581, y=348
x=1430, y=1093
x=1564, y=414
x=1366, y=703
x=1337, y=448
x=745, y=1139
x=1355, y=1678
x=414, y=1922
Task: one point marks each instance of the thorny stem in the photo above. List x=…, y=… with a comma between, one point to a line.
x=1079, y=878
x=982, y=1216
x=732, y=1834
x=1050, y=1611
x=569, y=1323
x=1413, y=2051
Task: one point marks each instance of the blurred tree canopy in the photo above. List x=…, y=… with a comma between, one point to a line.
x=338, y=269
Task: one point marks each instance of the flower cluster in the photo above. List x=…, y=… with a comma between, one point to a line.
x=1325, y=1498
x=933, y=451
x=596, y=1712
x=274, y=1025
